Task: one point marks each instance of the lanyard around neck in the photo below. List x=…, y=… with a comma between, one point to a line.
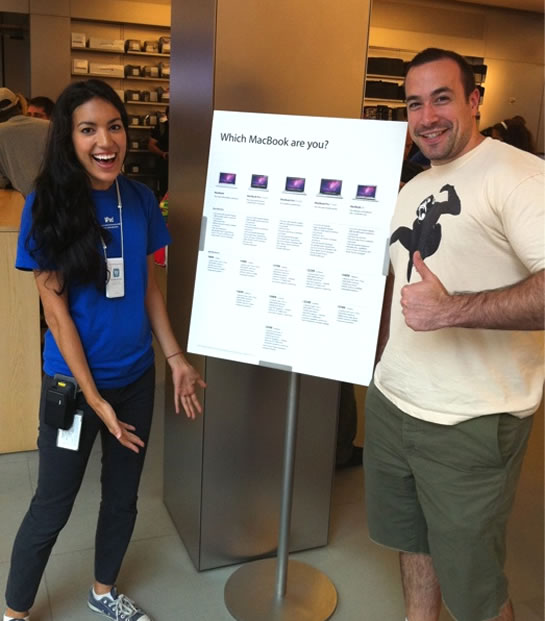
x=120, y=208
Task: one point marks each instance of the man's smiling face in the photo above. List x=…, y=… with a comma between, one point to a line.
x=441, y=117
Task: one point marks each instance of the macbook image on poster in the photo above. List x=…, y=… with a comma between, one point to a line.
x=259, y=182
x=227, y=180
x=366, y=192
x=331, y=188
x=295, y=185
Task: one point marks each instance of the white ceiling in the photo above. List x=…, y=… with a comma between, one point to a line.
x=521, y=5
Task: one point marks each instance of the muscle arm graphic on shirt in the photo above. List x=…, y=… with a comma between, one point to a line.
x=425, y=236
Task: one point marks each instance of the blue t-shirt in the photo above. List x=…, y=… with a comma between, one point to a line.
x=115, y=332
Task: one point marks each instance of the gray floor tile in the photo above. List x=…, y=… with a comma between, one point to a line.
x=12, y=511
x=14, y=479
x=153, y=519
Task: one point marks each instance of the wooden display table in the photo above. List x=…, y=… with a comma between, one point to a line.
x=20, y=365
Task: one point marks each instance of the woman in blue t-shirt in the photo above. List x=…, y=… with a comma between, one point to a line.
x=89, y=235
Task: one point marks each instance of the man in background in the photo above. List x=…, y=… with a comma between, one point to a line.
x=22, y=144
x=450, y=408
x=40, y=108
x=158, y=144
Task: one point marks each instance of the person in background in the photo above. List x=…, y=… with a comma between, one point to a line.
x=88, y=233
x=461, y=368
x=514, y=132
x=40, y=108
x=22, y=144
x=158, y=144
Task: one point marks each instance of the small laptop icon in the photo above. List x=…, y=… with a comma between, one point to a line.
x=295, y=184
x=331, y=188
x=227, y=179
x=366, y=192
x=259, y=182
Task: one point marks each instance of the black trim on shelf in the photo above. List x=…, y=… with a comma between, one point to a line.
x=146, y=103
x=124, y=53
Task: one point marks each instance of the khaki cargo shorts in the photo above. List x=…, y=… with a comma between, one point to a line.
x=446, y=491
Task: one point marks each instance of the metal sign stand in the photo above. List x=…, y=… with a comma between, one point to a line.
x=261, y=590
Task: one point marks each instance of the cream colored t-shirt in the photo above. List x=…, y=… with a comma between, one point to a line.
x=479, y=224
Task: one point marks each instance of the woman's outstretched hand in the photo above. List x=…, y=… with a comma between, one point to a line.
x=186, y=380
x=122, y=431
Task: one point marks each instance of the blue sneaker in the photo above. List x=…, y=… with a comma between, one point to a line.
x=116, y=606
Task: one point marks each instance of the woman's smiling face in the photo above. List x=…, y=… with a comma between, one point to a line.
x=99, y=140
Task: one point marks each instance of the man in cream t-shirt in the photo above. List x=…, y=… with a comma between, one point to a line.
x=461, y=373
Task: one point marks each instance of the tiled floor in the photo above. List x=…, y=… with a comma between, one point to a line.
x=158, y=573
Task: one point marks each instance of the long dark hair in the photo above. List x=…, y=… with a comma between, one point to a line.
x=65, y=230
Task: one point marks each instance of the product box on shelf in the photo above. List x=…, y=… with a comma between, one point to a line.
x=108, y=45
x=164, y=70
x=480, y=72
x=107, y=69
x=132, y=95
x=152, y=47
x=135, y=120
x=149, y=96
x=79, y=39
x=133, y=45
x=151, y=119
x=164, y=45
x=150, y=71
x=80, y=65
x=164, y=94
x=386, y=66
x=382, y=113
x=399, y=114
x=382, y=90
x=133, y=71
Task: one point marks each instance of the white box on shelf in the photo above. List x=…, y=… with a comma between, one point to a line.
x=79, y=39
x=80, y=65
x=151, y=47
x=106, y=69
x=164, y=45
x=151, y=71
x=132, y=95
x=133, y=45
x=108, y=45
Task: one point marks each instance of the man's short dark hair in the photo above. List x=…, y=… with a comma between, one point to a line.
x=43, y=102
x=432, y=54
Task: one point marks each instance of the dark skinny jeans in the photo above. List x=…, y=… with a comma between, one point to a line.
x=60, y=475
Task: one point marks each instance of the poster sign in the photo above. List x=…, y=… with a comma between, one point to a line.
x=293, y=249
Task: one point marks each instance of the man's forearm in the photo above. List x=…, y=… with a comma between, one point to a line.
x=517, y=307
x=427, y=305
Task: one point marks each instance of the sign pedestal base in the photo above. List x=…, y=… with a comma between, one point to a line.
x=250, y=593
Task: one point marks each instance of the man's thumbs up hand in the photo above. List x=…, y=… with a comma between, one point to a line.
x=424, y=304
